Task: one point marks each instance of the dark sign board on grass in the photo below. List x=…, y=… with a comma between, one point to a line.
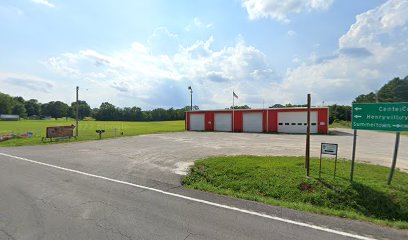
x=60, y=131
x=331, y=149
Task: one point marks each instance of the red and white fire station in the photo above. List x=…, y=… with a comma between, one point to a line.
x=272, y=120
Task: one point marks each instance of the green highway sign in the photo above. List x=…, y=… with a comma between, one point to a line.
x=380, y=116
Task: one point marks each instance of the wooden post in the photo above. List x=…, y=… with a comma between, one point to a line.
x=307, y=158
x=394, y=159
x=76, y=112
x=233, y=109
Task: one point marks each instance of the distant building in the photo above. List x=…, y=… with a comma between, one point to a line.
x=271, y=120
x=9, y=117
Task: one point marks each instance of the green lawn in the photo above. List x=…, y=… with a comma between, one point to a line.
x=341, y=124
x=86, y=129
x=281, y=181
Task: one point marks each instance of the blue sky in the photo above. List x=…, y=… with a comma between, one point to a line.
x=138, y=53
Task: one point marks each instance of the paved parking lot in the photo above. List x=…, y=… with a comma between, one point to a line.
x=166, y=157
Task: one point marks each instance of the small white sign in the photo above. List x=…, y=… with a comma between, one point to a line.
x=329, y=148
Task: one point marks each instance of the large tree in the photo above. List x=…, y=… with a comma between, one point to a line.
x=339, y=112
x=55, y=109
x=132, y=114
x=107, y=112
x=33, y=107
x=396, y=90
x=6, y=103
x=366, y=98
x=401, y=90
x=84, y=110
x=159, y=114
x=19, y=109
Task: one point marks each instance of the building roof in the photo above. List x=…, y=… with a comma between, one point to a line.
x=257, y=109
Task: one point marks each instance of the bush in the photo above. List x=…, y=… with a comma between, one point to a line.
x=89, y=119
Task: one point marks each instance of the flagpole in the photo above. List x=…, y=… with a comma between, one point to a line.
x=233, y=108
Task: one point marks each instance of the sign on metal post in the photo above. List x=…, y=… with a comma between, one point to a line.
x=380, y=116
x=392, y=117
x=330, y=149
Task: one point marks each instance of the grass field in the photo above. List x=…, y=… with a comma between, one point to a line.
x=341, y=124
x=281, y=181
x=86, y=129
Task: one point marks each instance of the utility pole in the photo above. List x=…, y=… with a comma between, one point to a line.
x=191, y=98
x=77, y=111
x=376, y=96
x=307, y=157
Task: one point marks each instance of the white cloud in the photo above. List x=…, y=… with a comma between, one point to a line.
x=198, y=24
x=44, y=2
x=29, y=79
x=279, y=10
x=27, y=86
x=373, y=51
x=296, y=60
x=150, y=80
x=291, y=33
x=383, y=24
x=162, y=41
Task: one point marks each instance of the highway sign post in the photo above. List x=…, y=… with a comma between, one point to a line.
x=380, y=116
x=392, y=117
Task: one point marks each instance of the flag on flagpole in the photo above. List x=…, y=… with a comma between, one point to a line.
x=233, y=107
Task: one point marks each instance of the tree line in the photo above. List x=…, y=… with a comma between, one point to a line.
x=33, y=109
x=396, y=90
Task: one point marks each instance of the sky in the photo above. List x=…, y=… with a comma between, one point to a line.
x=147, y=53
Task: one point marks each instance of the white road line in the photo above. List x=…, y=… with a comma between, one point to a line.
x=324, y=229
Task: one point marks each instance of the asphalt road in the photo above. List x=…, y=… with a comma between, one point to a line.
x=40, y=202
x=44, y=202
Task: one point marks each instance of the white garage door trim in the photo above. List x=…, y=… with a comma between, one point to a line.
x=252, y=122
x=197, y=122
x=296, y=122
x=223, y=122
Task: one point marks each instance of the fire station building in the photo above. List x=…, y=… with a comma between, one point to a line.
x=272, y=120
